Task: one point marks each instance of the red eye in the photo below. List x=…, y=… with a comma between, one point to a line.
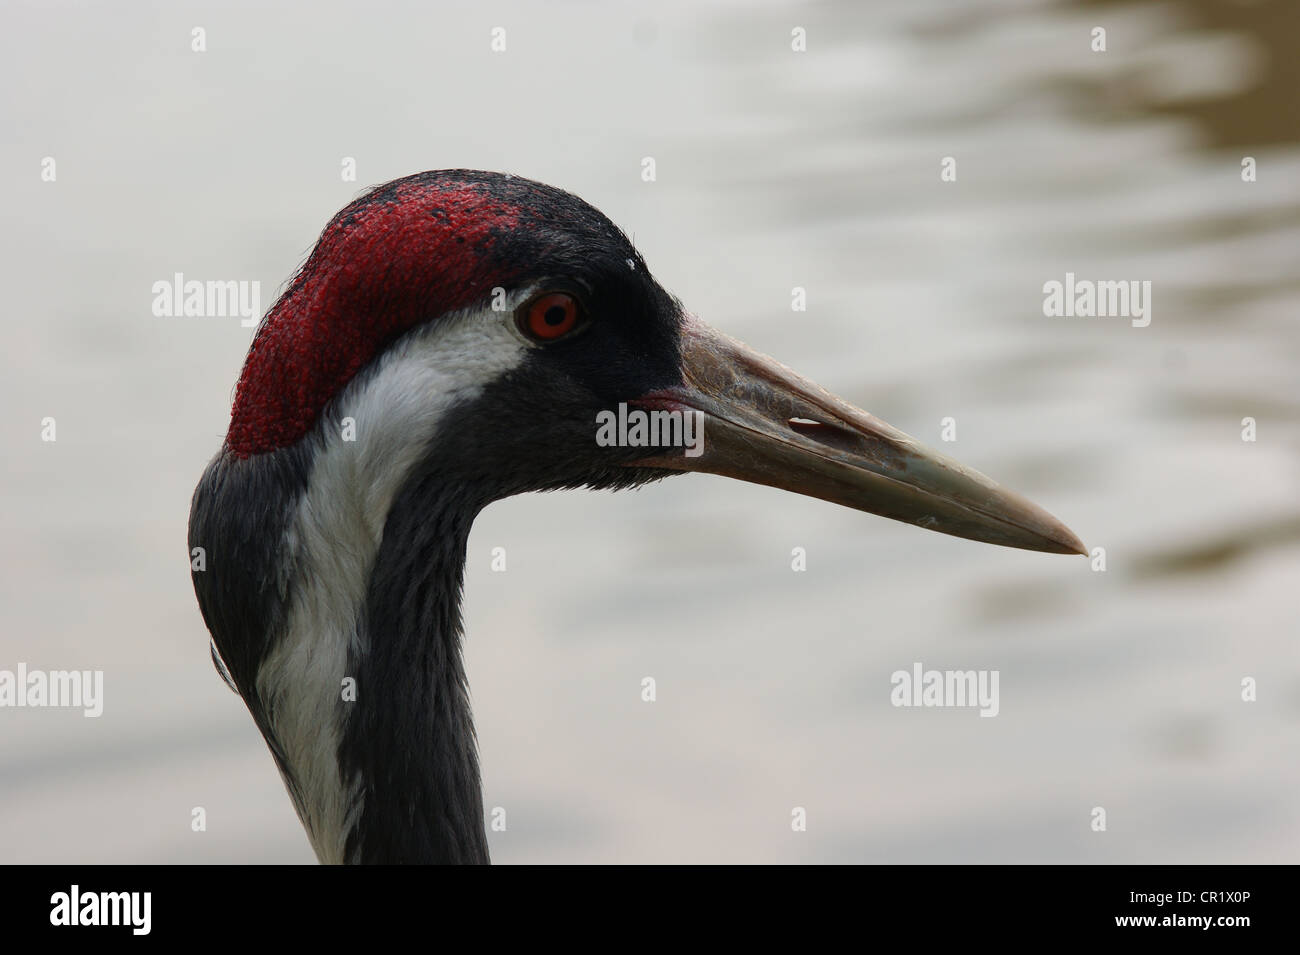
x=552, y=316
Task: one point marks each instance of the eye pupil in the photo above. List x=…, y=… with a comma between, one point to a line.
x=555, y=315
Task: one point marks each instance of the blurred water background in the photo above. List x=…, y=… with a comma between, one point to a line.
x=775, y=169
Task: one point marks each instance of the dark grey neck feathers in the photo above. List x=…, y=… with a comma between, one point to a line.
x=407, y=743
x=410, y=736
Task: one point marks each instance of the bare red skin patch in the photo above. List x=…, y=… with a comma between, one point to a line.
x=386, y=263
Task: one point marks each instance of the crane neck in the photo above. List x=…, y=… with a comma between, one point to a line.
x=408, y=751
x=357, y=682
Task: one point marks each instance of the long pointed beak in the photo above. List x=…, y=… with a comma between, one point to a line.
x=764, y=424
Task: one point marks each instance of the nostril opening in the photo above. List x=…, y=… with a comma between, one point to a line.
x=831, y=435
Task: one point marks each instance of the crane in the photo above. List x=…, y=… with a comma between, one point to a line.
x=456, y=337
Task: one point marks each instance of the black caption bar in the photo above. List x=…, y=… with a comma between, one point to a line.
x=137, y=905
